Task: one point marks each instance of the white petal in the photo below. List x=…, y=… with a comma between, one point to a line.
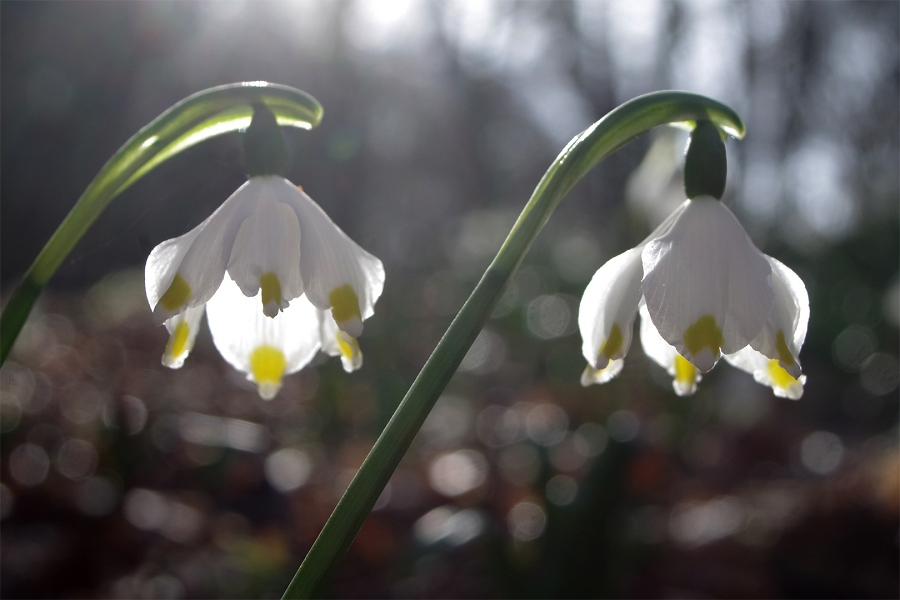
x=183, y=329
x=337, y=273
x=195, y=261
x=704, y=280
x=684, y=375
x=267, y=246
x=608, y=307
x=768, y=372
x=264, y=348
x=784, y=333
x=591, y=375
x=339, y=343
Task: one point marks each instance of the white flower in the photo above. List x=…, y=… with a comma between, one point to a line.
x=296, y=284
x=704, y=291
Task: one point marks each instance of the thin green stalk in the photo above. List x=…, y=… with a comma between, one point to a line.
x=576, y=159
x=198, y=117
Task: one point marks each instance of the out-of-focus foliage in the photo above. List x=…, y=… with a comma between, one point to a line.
x=121, y=478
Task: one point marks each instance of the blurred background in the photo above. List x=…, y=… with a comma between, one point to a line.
x=123, y=479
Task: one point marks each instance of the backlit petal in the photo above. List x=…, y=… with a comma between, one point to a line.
x=337, y=274
x=266, y=250
x=705, y=284
x=607, y=310
x=768, y=372
x=784, y=333
x=590, y=375
x=264, y=348
x=183, y=329
x=684, y=375
x=339, y=343
x=186, y=271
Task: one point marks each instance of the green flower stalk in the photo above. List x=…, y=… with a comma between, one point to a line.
x=576, y=159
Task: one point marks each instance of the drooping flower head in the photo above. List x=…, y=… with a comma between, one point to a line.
x=703, y=290
x=295, y=282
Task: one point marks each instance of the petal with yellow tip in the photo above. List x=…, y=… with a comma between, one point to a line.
x=330, y=261
x=186, y=271
x=684, y=374
x=768, y=372
x=240, y=329
x=183, y=329
x=339, y=343
x=266, y=251
x=783, y=334
x=705, y=273
x=607, y=310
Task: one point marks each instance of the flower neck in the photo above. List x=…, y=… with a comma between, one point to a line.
x=705, y=163
x=264, y=151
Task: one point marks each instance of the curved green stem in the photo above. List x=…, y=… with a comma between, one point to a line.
x=198, y=117
x=576, y=159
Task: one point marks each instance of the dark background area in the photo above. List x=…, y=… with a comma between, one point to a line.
x=121, y=478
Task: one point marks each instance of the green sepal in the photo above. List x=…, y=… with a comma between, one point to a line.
x=264, y=151
x=705, y=163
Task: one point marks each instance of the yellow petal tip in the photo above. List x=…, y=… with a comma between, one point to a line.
x=177, y=295
x=267, y=366
x=345, y=309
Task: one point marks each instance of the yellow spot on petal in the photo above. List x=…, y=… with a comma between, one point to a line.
x=267, y=365
x=613, y=343
x=685, y=372
x=271, y=289
x=704, y=333
x=177, y=295
x=300, y=187
x=780, y=378
x=784, y=353
x=344, y=303
x=178, y=341
x=348, y=346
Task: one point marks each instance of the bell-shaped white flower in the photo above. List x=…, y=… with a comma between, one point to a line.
x=279, y=249
x=268, y=236
x=706, y=291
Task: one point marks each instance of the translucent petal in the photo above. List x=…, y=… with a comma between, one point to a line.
x=591, y=375
x=183, y=329
x=768, y=372
x=784, y=333
x=195, y=261
x=608, y=307
x=339, y=343
x=685, y=376
x=266, y=249
x=336, y=272
x=705, y=284
x=264, y=348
